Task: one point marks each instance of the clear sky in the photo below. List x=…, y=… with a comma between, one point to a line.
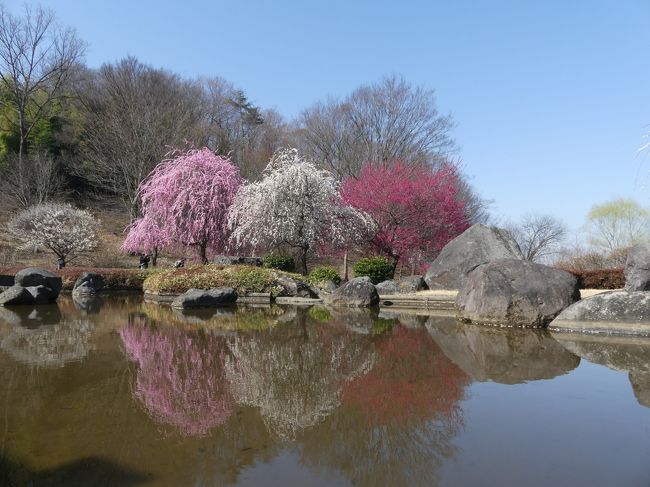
x=551, y=98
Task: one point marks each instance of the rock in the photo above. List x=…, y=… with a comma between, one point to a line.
x=87, y=303
x=412, y=284
x=200, y=298
x=88, y=283
x=237, y=260
x=6, y=280
x=16, y=295
x=325, y=287
x=503, y=355
x=33, y=276
x=359, y=292
x=294, y=288
x=407, y=285
x=42, y=294
x=477, y=245
x=511, y=292
x=637, y=268
x=614, y=312
x=387, y=287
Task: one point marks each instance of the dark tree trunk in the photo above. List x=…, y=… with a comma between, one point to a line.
x=154, y=257
x=202, y=253
x=303, y=261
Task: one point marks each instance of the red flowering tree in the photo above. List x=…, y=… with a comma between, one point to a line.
x=416, y=210
x=188, y=196
x=146, y=236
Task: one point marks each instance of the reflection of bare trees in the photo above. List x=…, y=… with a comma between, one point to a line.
x=397, y=421
x=180, y=380
x=295, y=377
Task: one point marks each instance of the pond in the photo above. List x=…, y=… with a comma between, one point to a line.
x=115, y=391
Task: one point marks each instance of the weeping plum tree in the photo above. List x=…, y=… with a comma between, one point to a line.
x=188, y=196
x=146, y=235
x=295, y=204
x=416, y=210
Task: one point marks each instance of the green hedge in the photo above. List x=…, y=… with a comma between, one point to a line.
x=378, y=269
x=280, y=262
x=322, y=274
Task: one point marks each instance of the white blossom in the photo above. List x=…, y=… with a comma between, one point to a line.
x=58, y=227
x=295, y=204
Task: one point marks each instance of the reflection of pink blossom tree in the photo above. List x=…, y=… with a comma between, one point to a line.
x=181, y=379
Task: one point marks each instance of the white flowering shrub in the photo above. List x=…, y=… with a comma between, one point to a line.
x=56, y=227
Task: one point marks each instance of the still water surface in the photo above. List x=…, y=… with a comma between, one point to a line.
x=119, y=392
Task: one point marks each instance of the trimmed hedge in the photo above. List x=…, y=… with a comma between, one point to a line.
x=323, y=273
x=599, y=278
x=378, y=269
x=280, y=262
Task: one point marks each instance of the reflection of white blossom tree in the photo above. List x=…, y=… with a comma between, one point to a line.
x=181, y=380
x=50, y=345
x=295, y=381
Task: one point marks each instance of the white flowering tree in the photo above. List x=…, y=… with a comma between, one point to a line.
x=58, y=227
x=296, y=205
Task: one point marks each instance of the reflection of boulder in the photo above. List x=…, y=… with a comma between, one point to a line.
x=295, y=380
x=180, y=378
x=50, y=345
x=409, y=320
x=202, y=315
x=626, y=354
x=31, y=316
x=358, y=320
x=504, y=355
x=88, y=303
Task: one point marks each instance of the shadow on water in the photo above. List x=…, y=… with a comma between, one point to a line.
x=626, y=354
x=85, y=472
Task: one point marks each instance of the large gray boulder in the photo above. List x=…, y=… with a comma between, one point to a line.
x=637, y=268
x=33, y=276
x=237, y=260
x=613, y=312
x=42, y=294
x=477, y=245
x=358, y=292
x=88, y=284
x=16, y=295
x=294, y=288
x=406, y=285
x=201, y=298
x=503, y=355
x=512, y=292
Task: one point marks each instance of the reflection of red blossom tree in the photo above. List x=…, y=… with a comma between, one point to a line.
x=181, y=380
x=411, y=379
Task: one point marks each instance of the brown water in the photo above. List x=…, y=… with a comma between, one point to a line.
x=118, y=392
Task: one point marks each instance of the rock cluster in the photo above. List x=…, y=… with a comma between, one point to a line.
x=406, y=285
x=32, y=286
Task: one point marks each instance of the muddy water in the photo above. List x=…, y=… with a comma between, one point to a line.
x=119, y=392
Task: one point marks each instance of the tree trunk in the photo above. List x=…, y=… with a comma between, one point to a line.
x=345, y=266
x=202, y=253
x=303, y=261
x=154, y=257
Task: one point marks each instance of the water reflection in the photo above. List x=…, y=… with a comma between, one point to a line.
x=625, y=354
x=180, y=378
x=507, y=356
x=89, y=303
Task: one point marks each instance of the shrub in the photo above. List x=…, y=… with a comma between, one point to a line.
x=322, y=274
x=599, y=278
x=279, y=261
x=378, y=269
x=244, y=279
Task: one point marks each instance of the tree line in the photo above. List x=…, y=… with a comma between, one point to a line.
x=69, y=130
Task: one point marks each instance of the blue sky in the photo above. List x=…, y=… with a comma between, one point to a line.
x=550, y=98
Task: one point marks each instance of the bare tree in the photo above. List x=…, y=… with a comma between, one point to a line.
x=137, y=114
x=35, y=181
x=538, y=236
x=36, y=59
x=388, y=121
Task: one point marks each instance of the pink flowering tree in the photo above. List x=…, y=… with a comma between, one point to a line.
x=181, y=377
x=416, y=210
x=189, y=197
x=145, y=235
